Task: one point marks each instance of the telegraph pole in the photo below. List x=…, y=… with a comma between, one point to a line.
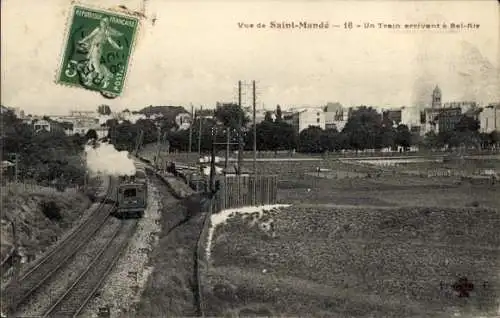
x=191, y=132
x=240, y=132
x=254, y=197
x=254, y=132
x=16, y=168
x=200, y=119
x=158, y=145
x=228, y=130
x=212, y=161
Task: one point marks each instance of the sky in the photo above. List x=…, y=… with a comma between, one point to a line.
x=195, y=53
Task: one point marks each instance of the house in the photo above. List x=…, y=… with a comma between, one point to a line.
x=448, y=118
x=465, y=106
x=46, y=124
x=410, y=116
x=304, y=118
x=394, y=116
x=336, y=116
x=489, y=118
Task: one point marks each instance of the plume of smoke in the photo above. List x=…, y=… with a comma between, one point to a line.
x=133, y=118
x=104, y=118
x=104, y=159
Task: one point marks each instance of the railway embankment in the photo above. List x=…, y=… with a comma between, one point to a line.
x=41, y=217
x=171, y=289
x=177, y=187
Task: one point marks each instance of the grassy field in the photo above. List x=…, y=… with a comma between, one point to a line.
x=351, y=246
x=170, y=290
x=357, y=261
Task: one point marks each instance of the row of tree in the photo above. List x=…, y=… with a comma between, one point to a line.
x=365, y=129
x=46, y=157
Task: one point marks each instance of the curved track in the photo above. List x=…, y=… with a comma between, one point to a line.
x=30, y=281
x=72, y=302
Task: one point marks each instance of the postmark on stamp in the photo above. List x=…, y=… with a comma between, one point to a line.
x=97, y=50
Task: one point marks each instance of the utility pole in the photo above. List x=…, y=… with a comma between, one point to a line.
x=16, y=167
x=240, y=130
x=158, y=128
x=228, y=130
x=190, y=132
x=254, y=147
x=200, y=119
x=17, y=257
x=254, y=132
x=212, y=161
x=139, y=142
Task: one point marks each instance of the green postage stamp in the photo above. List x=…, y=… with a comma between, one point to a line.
x=97, y=50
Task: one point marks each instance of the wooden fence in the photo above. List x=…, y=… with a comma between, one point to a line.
x=246, y=190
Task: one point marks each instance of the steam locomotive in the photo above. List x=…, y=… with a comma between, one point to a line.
x=132, y=195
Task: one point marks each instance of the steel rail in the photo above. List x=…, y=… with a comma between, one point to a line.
x=77, y=296
x=59, y=256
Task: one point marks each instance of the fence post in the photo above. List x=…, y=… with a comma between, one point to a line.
x=268, y=190
x=225, y=192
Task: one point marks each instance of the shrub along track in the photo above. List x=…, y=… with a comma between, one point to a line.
x=172, y=289
x=35, y=277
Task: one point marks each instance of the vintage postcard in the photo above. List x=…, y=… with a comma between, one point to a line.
x=97, y=50
x=250, y=158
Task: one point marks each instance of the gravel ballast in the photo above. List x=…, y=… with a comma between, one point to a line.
x=124, y=285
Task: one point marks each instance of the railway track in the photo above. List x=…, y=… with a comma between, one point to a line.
x=74, y=300
x=37, y=275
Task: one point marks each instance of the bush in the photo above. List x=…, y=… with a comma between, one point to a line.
x=51, y=210
x=91, y=195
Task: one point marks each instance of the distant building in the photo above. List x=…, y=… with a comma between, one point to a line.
x=17, y=111
x=465, y=106
x=83, y=113
x=205, y=113
x=393, y=115
x=436, y=98
x=410, y=116
x=302, y=119
x=82, y=125
x=448, y=118
x=489, y=118
x=47, y=125
x=336, y=116
x=441, y=119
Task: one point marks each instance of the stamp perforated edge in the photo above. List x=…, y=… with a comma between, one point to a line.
x=69, y=18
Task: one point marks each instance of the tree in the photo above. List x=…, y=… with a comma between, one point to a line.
x=431, y=141
x=495, y=138
x=330, y=140
x=104, y=110
x=310, y=140
x=467, y=123
x=112, y=122
x=284, y=136
x=91, y=134
x=403, y=136
x=279, y=114
x=387, y=135
x=268, y=116
x=363, y=129
x=274, y=136
x=230, y=115
x=45, y=156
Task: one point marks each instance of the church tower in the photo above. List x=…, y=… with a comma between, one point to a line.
x=436, y=97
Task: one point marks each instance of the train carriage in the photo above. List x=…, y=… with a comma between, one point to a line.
x=132, y=197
